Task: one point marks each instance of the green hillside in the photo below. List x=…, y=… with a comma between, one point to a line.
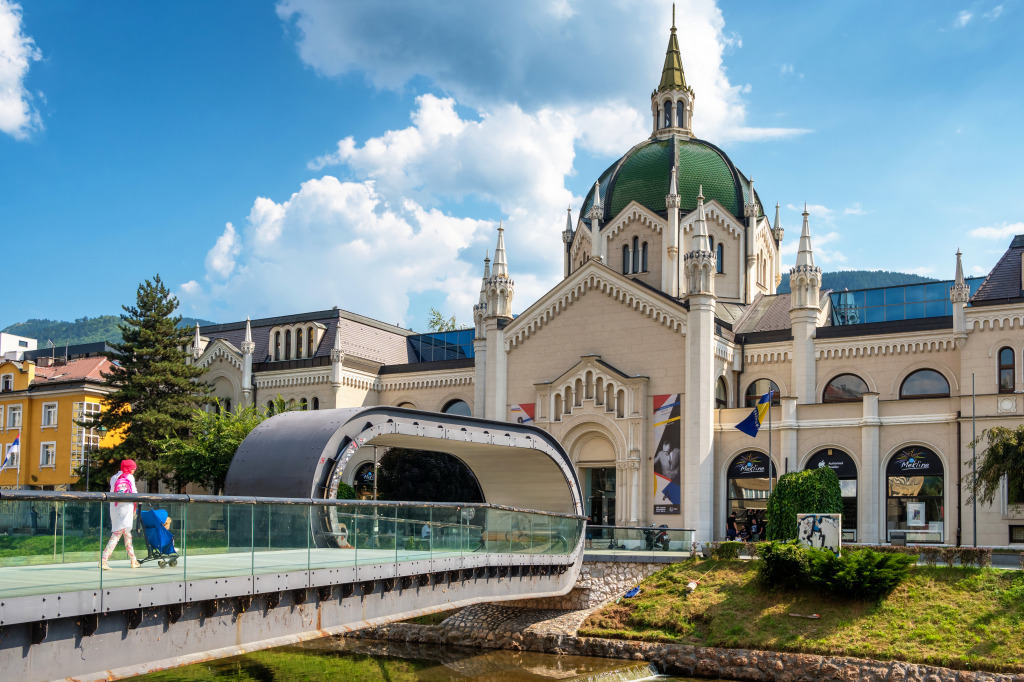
x=82, y=330
x=860, y=279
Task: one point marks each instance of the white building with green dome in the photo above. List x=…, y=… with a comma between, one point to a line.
x=665, y=329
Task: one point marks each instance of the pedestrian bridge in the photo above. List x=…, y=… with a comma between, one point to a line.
x=253, y=572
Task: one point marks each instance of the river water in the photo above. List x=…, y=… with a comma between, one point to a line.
x=335, y=659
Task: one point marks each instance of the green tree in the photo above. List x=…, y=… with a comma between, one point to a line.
x=154, y=390
x=1002, y=458
x=439, y=323
x=205, y=455
x=812, y=491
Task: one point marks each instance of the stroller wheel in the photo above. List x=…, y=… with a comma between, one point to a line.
x=161, y=563
x=174, y=562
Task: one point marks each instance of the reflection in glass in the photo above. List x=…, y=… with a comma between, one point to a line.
x=758, y=389
x=925, y=383
x=844, y=388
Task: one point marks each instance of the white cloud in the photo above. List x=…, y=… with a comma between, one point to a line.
x=18, y=118
x=816, y=210
x=561, y=55
x=994, y=13
x=786, y=68
x=1004, y=231
x=856, y=209
x=220, y=261
x=191, y=288
x=978, y=270
x=923, y=271
x=962, y=19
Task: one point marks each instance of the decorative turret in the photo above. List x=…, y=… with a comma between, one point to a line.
x=596, y=211
x=480, y=309
x=670, y=256
x=500, y=287
x=567, y=240
x=777, y=231
x=197, y=349
x=336, y=354
x=699, y=261
x=248, y=348
x=805, y=276
x=672, y=102
x=750, y=208
x=959, y=294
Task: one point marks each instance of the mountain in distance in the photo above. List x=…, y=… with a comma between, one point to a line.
x=82, y=330
x=860, y=279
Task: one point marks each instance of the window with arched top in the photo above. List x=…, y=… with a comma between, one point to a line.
x=556, y=412
x=758, y=389
x=680, y=113
x=711, y=243
x=303, y=404
x=288, y=344
x=298, y=343
x=924, y=383
x=1007, y=368
x=719, y=259
x=578, y=393
x=458, y=407
x=609, y=397
x=625, y=259
x=316, y=403
x=668, y=115
x=309, y=342
x=277, y=346
x=620, y=404
x=845, y=388
x=270, y=408
x=643, y=257
x=721, y=394
x=636, y=254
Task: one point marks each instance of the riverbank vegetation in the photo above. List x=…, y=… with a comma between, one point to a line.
x=957, y=617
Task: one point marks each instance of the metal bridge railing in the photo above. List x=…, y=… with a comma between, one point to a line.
x=632, y=539
x=50, y=542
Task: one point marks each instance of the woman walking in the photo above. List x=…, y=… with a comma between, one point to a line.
x=122, y=514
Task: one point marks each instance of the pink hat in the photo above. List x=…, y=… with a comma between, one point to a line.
x=127, y=465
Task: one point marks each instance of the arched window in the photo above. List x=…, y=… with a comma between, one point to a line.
x=925, y=383
x=643, y=257
x=557, y=412
x=915, y=496
x=721, y=394
x=277, y=346
x=668, y=115
x=316, y=403
x=458, y=407
x=309, y=342
x=620, y=404
x=298, y=343
x=599, y=391
x=303, y=404
x=578, y=393
x=749, y=486
x=270, y=408
x=636, y=254
x=719, y=259
x=758, y=389
x=711, y=242
x=680, y=109
x=625, y=259
x=288, y=344
x=227, y=404
x=846, y=469
x=1006, y=371
x=845, y=388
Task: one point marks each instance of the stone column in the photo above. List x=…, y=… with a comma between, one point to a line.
x=788, y=428
x=698, y=476
x=870, y=496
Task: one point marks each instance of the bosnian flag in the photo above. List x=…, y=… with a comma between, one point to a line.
x=12, y=450
x=752, y=424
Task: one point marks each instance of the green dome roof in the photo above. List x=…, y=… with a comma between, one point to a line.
x=642, y=175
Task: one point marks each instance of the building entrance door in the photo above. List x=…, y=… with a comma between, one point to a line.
x=600, y=489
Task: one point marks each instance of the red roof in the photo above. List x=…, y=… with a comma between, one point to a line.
x=74, y=370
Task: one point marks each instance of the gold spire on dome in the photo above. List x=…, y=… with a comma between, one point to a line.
x=672, y=77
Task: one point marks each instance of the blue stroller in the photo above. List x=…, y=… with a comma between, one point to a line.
x=159, y=541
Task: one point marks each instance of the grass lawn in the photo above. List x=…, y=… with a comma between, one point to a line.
x=966, y=618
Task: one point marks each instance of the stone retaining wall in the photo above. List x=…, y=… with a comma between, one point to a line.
x=679, y=659
x=598, y=583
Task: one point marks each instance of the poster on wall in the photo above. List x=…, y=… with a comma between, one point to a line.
x=915, y=514
x=522, y=413
x=821, y=531
x=666, y=454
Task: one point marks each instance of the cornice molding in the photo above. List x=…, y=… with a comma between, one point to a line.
x=593, y=277
x=906, y=344
x=768, y=353
x=424, y=380
x=995, y=318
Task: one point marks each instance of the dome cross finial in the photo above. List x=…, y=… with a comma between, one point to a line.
x=673, y=16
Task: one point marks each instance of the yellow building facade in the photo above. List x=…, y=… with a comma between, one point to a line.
x=40, y=405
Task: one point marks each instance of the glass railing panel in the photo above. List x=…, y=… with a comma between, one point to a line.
x=334, y=536
x=281, y=538
x=216, y=541
x=446, y=532
x=157, y=532
x=414, y=533
x=375, y=533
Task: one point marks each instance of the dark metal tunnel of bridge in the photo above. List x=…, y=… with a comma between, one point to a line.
x=307, y=454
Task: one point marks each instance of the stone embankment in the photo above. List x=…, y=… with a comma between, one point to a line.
x=550, y=626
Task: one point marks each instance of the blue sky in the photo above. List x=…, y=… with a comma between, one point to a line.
x=268, y=158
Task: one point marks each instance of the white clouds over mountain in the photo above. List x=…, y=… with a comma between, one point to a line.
x=18, y=117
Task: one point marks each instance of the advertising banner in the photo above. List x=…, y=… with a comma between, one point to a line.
x=522, y=413
x=821, y=531
x=666, y=454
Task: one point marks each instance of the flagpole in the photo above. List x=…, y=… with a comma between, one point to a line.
x=770, y=463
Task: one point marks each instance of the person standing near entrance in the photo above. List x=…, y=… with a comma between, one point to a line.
x=122, y=514
x=731, y=531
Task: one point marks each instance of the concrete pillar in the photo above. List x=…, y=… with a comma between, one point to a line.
x=698, y=475
x=804, y=324
x=479, y=377
x=788, y=428
x=870, y=520
x=497, y=368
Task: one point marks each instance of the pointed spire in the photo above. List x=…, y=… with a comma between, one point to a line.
x=487, y=264
x=806, y=254
x=959, y=267
x=483, y=281
x=568, y=219
x=778, y=222
x=248, y=347
x=500, y=265
x=700, y=228
x=196, y=352
x=336, y=355
x=248, y=329
x=672, y=183
x=672, y=77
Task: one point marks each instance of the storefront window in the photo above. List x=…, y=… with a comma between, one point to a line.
x=915, y=496
x=749, y=487
x=846, y=469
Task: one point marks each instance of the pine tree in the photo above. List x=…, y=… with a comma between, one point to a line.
x=155, y=391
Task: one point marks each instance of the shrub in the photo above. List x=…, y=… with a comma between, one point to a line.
x=812, y=491
x=346, y=492
x=784, y=565
x=975, y=556
x=949, y=555
x=726, y=550
x=930, y=554
x=863, y=574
